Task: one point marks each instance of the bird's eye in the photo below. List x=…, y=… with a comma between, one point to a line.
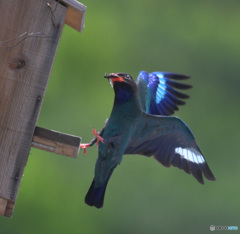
x=128, y=77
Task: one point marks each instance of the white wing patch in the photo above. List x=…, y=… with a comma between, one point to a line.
x=190, y=154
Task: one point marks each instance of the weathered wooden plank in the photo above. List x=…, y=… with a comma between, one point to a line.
x=3, y=206
x=9, y=209
x=56, y=142
x=75, y=14
x=29, y=33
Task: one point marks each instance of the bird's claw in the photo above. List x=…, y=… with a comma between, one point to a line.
x=84, y=147
x=97, y=136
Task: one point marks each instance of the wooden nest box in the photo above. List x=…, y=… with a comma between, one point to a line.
x=29, y=37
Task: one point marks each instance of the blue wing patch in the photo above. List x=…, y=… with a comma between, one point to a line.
x=159, y=93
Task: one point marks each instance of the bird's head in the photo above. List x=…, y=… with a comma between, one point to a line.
x=124, y=86
x=120, y=79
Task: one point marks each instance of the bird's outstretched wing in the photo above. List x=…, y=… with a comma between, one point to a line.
x=171, y=142
x=158, y=92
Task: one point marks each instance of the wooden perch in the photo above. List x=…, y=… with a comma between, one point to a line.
x=6, y=207
x=29, y=37
x=56, y=142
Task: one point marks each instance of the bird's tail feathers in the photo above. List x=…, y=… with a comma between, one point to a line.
x=95, y=195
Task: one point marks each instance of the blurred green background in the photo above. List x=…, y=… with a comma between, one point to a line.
x=198, y=38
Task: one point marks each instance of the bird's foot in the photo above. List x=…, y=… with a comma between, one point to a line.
x=96, y=140
x=84, y=147
x=97, y=136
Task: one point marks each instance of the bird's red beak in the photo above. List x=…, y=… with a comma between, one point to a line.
x=114, y=77
x=118, y=79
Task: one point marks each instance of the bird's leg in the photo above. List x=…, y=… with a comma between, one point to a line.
x=91, y=143
x=96, y=139
x=97, y=136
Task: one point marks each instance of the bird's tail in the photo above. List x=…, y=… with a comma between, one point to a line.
x=95, y=195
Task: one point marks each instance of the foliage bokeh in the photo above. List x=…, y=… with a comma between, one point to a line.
x=198, y=38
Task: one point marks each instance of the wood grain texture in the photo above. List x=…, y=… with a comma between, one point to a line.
x=3, y=206
x=56, y=142
x=29, y=34
x=9, y=209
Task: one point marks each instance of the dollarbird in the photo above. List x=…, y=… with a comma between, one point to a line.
x=140, y=123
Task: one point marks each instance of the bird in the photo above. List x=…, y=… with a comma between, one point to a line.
x=141, y=123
